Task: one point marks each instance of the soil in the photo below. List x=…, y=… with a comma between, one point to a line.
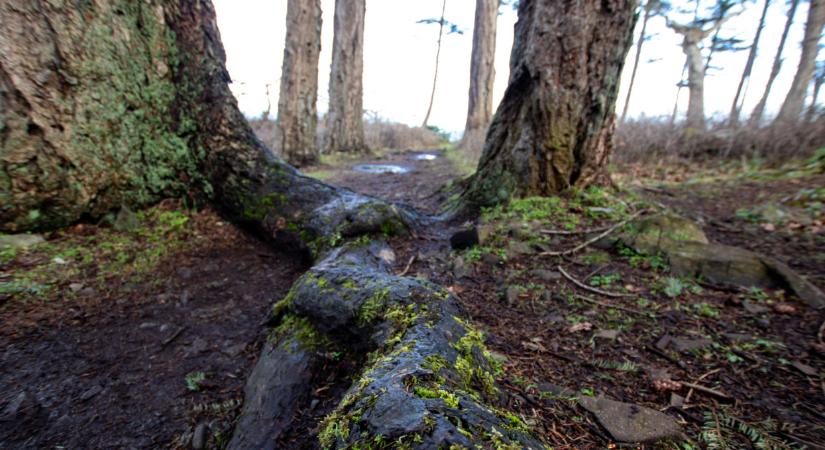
x=109, y=369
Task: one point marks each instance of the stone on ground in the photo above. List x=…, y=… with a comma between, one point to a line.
x=627, y=422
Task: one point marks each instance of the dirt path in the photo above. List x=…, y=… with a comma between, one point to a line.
x=140, y=365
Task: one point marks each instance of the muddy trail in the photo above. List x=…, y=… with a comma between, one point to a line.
x=159, y=359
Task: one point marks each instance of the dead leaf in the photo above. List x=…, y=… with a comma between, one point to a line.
x=581, y=326
x=535, y=346
x=769, y=227
x=784, y=308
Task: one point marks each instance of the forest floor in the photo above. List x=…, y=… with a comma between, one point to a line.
x=143, y=338
x=758, y=352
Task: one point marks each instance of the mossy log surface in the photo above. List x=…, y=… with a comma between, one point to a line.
x=428, y=380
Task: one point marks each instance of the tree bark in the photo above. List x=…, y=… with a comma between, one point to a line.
x=345, y=123
x=733, y=119
x=648, y=12
x=818, y=81
x=482, y=73
x=123, y=103
x=759, y=110
x=795, y=100
x=437, y=57
x=554, y=126
x=297, y=113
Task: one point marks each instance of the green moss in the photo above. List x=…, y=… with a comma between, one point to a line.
x=373, y=307
x=302, y=331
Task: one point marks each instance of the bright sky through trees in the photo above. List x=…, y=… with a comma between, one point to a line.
x=399, y=54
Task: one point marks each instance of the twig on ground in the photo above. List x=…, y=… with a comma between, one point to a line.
x=407, y=267
x=707, y=390
x=172, y=337
x=596, y=238
x=608, y=305
x=574, y=232
x=589, y=288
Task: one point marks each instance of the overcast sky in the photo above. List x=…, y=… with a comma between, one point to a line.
x=399, y=56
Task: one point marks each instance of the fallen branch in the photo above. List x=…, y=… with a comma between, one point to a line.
x=707, y=390
x=589, y=288
x=407, y=267
x=596, y=238
x=573, y=232
x=608, y=305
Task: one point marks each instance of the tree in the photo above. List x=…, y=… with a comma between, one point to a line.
x=452, y=28
x=122, y=103
x=759, y=110
x=482, y=73
x=819, y=80
x=553, y=128
x=791, y=109
x=650, y=9
x=735, y=108
x=297, y=113
x=345, y=118
x=693, y=34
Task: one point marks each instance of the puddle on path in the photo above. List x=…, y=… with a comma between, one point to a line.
x=380, y=168
x=425, y=157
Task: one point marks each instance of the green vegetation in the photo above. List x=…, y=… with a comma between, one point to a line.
x=194, y=380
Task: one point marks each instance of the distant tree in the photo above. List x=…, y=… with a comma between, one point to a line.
x=650, y=9
x=297, y=113
x=345, y=119
x=482, y=72
x=451, y=28
x=819, y=79
x=795, y=100
x=733, y=119
x=759, y=110
x=553, y=129
x=693, y=34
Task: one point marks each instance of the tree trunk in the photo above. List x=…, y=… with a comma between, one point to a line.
x=795, y=100
x=818, y=81
x=345, y=122
x=554, y=126
x=733, y=119
x=437, y=57
x=759, y=110
x=297, y=113
x=648, y=12
x=123, y=103
x=482, y=74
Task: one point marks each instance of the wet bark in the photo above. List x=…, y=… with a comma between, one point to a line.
x=733, y=119
x=791, y=110
x=756, y=116
x=554, y=126
x=297, y=112
x=345, y=123
x=482, y=73
x=123, y=103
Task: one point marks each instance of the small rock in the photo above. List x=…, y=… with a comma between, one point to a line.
x=545, y=275
x=755, y=308
x=387, y=255
x=91, y=392
x=75, y=287
x=196, y=347
x=491, y=259
x=685, y=344
x=804, y=368
x=460, y=269
x=511, y=295
x=518, y=248
x=126, y=220
x=59, y=260
x=631, y=423
x=19, y=241
x=606, y=334
x=676, y=400
x=199, y=437
x=485, y=232
x=464, y=239
x=313, y=404
x=87, y=291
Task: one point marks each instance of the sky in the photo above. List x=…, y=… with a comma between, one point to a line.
x=399, y=59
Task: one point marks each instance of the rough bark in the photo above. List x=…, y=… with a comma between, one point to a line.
x=553, y=128
x=733, y=119
x=482, y=73
x=759, y=110
x=429, y=382
x=791, y=110
x=649, y=6
x=819, y=80
x=345, y=123
x=297, y=113
x=122, y=103
x=437, y=58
